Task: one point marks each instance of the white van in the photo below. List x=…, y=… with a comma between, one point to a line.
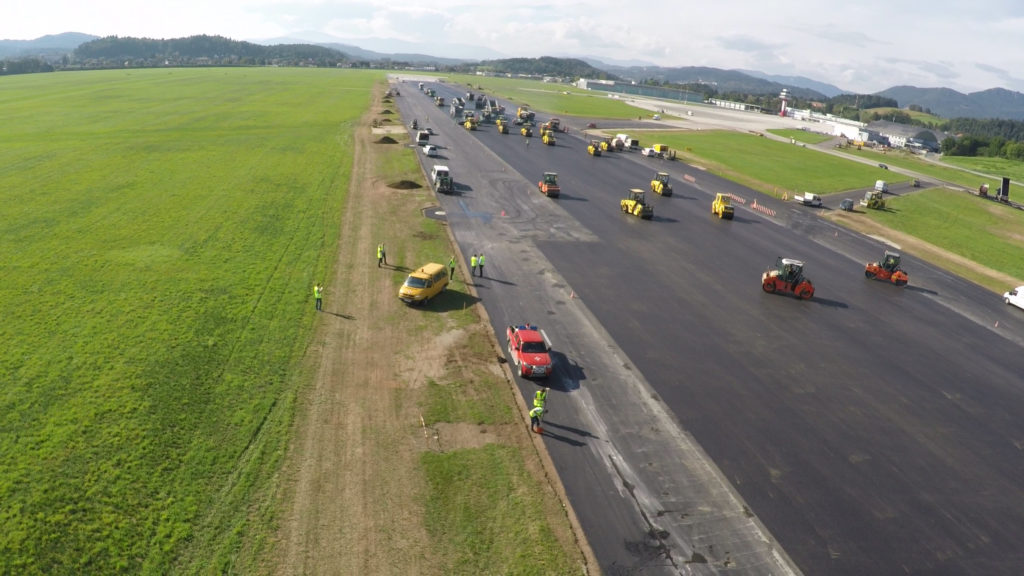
x=422, y=138
x=439, y=171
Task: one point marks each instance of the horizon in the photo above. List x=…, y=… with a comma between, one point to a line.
x=318, y=39
x=861, y=48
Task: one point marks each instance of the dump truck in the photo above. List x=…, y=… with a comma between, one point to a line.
x=634, y=204
x=660, y=184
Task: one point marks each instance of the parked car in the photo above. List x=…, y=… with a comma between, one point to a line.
x=430, y=150
x=1015, y=297
x=883, y=166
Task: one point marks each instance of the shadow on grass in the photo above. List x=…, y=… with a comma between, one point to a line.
x=340, y=315
x=451, y=300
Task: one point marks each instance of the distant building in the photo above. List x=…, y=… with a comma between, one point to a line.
x=639, y=90
x=731, y=105
x=905, y=135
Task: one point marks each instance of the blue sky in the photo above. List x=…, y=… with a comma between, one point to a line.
x=862, y=46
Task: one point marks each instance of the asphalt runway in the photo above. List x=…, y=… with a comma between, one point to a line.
x=702, y=426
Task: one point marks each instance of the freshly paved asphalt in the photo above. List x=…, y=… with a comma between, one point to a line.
x=701, y=426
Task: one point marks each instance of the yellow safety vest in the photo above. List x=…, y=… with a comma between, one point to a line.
x=317, y=291
x=481, y=260
x=472, y=261
x=539, y=398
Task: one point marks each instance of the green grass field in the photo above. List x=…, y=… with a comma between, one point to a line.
x=995, y=168
x=801, y=135
x=161, y=232
x=927, y=119
x=767, y=165
x=977, y=229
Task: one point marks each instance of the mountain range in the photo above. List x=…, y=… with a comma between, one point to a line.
x=945, y=102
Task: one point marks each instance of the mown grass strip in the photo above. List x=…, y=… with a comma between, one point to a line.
x=981, y=230
x=162, y=229
x=767, y=165
x=486, y=516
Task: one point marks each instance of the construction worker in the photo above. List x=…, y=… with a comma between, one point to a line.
x=480, y=262
x=318, y=293
x=380, y=254
x=535, y=416
x=540, y=397
x=451, y=268
x=472, y=265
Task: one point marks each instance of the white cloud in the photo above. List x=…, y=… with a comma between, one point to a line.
x=865, y=46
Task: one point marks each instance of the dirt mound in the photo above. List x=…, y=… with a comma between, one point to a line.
x=385, y=140
x=404, y=185
x=386, y=111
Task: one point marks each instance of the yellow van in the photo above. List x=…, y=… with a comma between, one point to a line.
x=423, y=284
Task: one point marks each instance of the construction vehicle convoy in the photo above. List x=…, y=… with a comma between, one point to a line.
x=634, y=204
x=888, y=270
x=660, y=184
x=553, y=124
x=548, y=186
x=787, y=278
x=594, y=148
x=722, y=206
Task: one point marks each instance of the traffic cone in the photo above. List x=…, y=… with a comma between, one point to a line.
x=502, y=212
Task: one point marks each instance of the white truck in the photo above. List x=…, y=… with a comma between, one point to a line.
x=881, y=186
x=808, y=199
x=627, y=142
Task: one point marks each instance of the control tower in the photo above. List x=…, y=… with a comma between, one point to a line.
x=784, y=96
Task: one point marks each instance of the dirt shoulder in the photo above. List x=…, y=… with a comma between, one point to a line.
x=353, y=483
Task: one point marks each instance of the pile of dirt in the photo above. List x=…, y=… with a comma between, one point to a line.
x=386, y=111
x=404, y=185
x=385, y=140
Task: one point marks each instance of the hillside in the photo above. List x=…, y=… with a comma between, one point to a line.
x=992, y=103
x=49, y=46
x=571, y=68
x=723, y=81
